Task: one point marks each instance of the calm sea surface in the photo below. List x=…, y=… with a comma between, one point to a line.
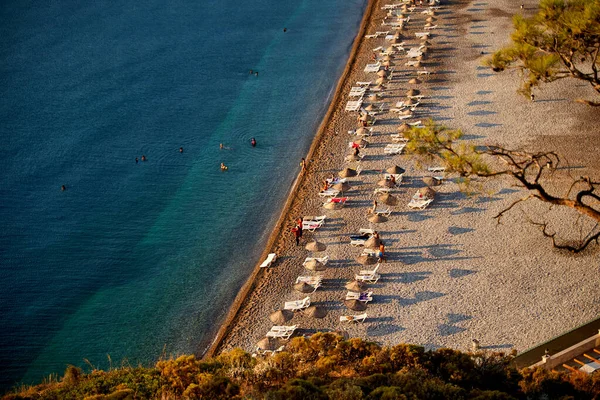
x=138, y=260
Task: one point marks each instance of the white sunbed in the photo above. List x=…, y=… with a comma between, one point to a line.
x=372, y=67
x=262, y=352
x=369, y=252
x=297, y=305
x=353, y=318
x=281, y=334
x=397, y=177
x=328, y=193
x=366, y=275
x=422, y=34
x=311, y=280
x=412, y=63
x=436, y=169
x=430, y=27
x=357, y=91
x=315, y=218
x=322, y=260
x=360, y=296
x=383, y=211
x=381, y=190
x=420, y=204
x=363, y=235
x=416, y=123
x=353, y=105
x=378, y=48
x=364, y=83
x=394, y=148
x=382, y=33
x=424, y=72
x=362, y=146
x=269, y=261
x=333, y=182
x=414, y=54
x=311, y=226
x=398, y=138
x=370, y=36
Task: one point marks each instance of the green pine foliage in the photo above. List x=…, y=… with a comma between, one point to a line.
x=324, y=366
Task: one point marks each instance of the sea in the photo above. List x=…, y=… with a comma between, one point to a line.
x=134, y=261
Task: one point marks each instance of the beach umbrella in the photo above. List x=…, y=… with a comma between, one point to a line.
x=362, y=131
x=333, y=206
x=347, y=173
x=396, y=40
x=354, y=286
x=414, y=81
x=404, y=127
x=342, y=187
x=431, y=181
x=387, y=63
x=390, y=49
x=427, y=192
x=425, y=49
x=409, y=102
x=366, y=260
x=316, y=246
x=387, y=58
x=372, y=97
x=365, y=117
x=421, y=57
x=304, y=287
x=361, y=142
x=406, y=112
x=430, y=19
x=280, y=317
x=355, y=305
x=385, y=183
x=397, y=35
x=351, y=158
x=417, y=64
x=377, y=219
x=427, y=25
x=425, y=43
x=316, y=312
x=380, y=81
x=382, y=73
x=370, y=107
x=413, y=92
x=313, y=265
x=268, y=344
x=372, y=243
x=387, y=199
x=395, y=170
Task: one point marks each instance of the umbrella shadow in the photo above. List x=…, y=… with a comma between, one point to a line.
x=383, y=329
x=467, y=210
x=456, y=230
x=407, y=277
x=419, y=298
x=449, y=330
x=497, y=346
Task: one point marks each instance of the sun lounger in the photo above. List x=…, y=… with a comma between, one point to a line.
x=262, y=352
x=397, y=177
x=412, y=63
x=414, y=54
x=353, y=318
x=361, y=238
x=279, y=332
x=382, y=33
x=424, y=72
x=369, y=276
x=357, y=91
x=416, y=123
x=378, y=48
x=382, y=190
x=283, y=328
x=372, y=67
x=353, y=105
x=311, y=280
x=364, y=83
x=398, y=138
x=394, y=148
x=360, y=296
x=314, y=218
x=420, y=204
x=369, y=131
x=334, y=181
x=269, y=261
x=297, y=305
x=436, y=169
x=364, y=145
x=370, y=36
x=383, y=211
x=422, y=34
x=339, y=200
x=430, y=27
x=322, y=260
x=329, y=193
x=312, y=226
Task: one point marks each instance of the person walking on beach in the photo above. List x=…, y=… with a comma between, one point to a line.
x=297, y=234
x=532, y=97
x=303, y=164
x=381, y=254
x=299, y=222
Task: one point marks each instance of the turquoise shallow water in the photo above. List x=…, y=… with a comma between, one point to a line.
x=139, y=260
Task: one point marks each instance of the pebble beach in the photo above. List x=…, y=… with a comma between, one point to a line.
x=453, y=273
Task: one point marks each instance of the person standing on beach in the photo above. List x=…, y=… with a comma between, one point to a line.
x=303, y=164
x=299, y=222
x=297, y=234
x=381, y=252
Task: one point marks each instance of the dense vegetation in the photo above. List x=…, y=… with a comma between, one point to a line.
x=324, y=366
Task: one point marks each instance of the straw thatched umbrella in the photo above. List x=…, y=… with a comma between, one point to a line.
x=380, y=81
x=409, y=102
x=425, y=43
x=428, y=25
x=417, y=64
x=387, y=64
x=377, y=219
x=280, y=317
x=414, y=81
x=390, y=49
x=373, y=97
x=342, y=186
x=355, y=305
x=407, y=112
x=351, y=158
x=304, y=287
x=333, y=206
x=395, y=170
x=362, y=131
x=361, y=142
x=313, y=265
x=424, y=49
x=430, y=19
x=382, y=73
x=370, y=107
x=347, y=173
x=396, y=41
x=366, y=260
x=387, y=58
x=316, y=246
x=316, y=312
x=387, y=199
x=385, y=183
x=421, y=57
x=431, y=181
x=404, y=127
x=413, y=92
x=268, y=344
x=427, y=192
x=372, y=243
x=355, y=286
x=365, y=117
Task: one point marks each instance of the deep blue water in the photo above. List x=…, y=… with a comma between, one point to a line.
x=137, y=260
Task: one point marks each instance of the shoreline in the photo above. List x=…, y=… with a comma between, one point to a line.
x=242, y=296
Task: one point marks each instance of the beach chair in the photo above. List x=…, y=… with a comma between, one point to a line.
x=382, y=190
x=369, y=252
x=422, y=35
x=333, y=181
x=357, y=91
x=283, y=328
x=353, y=105
x=398, y=138
x=372, y=36
x=269, y=261
x=310, y=280
x=368, y=276
x=365, y=297
x=430, y=27
x=394, y=148
x=311, y=226
x=424, y=72
x=416, y=123
x=361, y=238
x=338, y=200
x=314, y=218
x=322, y=260
x=281, y=334
x=412, y=63
x=297, y=305
x=436, y=169
x=402, y=117
x=363, y=146
x=383, y=211
x=364, y=83
x=353, y=318
x=329, y=193
x=368, y=132
x=382, y=33
x=373, y=67
x=397, y=177
x=419, y=204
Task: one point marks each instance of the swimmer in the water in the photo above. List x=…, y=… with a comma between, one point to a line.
x=137, y=160
x=144, y=158
x=224, y=167
x=63, y=188
x=251, y=72
x=253, y=142
x=181, y=149
x=256, y=73
x=221, y=146
x=285, y=29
